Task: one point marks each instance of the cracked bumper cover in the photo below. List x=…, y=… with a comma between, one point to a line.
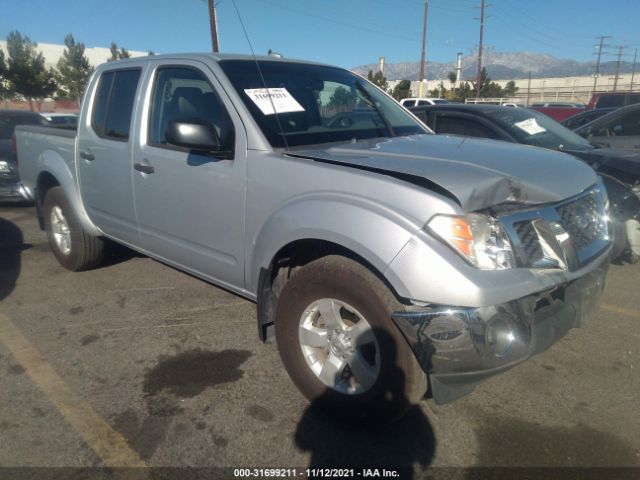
x=460, y=347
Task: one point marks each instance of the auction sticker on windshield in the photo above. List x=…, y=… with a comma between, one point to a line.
x=268, y=98
x=530, y=126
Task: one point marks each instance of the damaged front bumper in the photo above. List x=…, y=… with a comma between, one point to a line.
x=460, y=347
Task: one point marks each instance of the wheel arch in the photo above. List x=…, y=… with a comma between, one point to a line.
x=55, y=172
x=292, y=256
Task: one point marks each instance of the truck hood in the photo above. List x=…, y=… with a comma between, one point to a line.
x=477, y=173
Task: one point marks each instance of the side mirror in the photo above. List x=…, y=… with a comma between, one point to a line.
x=194, y=133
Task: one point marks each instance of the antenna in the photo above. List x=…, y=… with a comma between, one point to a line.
x=264, y=83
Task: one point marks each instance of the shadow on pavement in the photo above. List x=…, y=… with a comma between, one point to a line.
x=11, y=246
x=334, y=440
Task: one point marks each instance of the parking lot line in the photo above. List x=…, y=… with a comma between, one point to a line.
x=108, y=444
x=623, y=311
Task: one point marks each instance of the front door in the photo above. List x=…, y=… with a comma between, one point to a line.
x=190, y=204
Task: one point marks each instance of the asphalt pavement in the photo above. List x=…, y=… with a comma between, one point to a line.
x=136, y=364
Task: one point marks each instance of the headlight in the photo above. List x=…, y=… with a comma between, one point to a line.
x=4, y=167
x=478, y=238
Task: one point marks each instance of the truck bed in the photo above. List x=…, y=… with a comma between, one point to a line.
x=39, y=148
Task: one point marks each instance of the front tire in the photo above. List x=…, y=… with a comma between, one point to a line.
x=339, y=345
x=75, y=249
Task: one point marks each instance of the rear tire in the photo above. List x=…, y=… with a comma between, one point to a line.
x=75, y=249
x=358, y=371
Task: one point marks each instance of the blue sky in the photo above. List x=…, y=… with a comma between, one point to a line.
x=347, y=33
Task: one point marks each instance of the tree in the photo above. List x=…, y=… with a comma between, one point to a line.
x=26, y=72
x=452, y=78
x=510, y=89
x=378, y=79
x=342, y=100
x=74, y=70
x=402, y=90
x=4, y=83
x=118, y=53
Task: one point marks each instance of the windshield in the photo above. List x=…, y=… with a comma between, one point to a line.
x=534, y=128
x=316, y=104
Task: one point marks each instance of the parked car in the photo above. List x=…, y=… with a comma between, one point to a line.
x=380, y=254
x=576, y=121
x=620, y=169
x=613, y=99
x=557, y=104
x=64, y=120
x=558, y=110
x=414, y=102
x=10, y=186
x=618, y=129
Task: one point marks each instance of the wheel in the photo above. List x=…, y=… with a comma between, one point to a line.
x=339, y=345
x=75, y=249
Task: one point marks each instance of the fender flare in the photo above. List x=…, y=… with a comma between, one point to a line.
x=368, y=229
x=53, y=164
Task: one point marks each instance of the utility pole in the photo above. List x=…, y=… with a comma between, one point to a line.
x=615, y=79
x=482, y=7
x=633, y=70
x=597, y=72
x=214, y=26
x=528, y=88
x=424, y=45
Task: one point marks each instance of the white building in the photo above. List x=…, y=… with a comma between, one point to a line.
x=53, y=52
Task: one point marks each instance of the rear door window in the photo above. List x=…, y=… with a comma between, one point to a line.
x=611, y=101
x=113, y=104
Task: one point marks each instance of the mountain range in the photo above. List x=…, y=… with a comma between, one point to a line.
x=500, y=66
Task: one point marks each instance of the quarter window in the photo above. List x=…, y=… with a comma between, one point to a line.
x=113, y=105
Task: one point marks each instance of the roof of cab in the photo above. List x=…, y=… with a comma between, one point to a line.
x=207, y=57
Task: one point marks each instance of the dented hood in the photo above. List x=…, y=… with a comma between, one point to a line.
x=478, y=173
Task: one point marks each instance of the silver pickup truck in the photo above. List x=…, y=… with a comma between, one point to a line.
x=384, y=259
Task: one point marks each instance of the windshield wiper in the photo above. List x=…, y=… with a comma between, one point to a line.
x=373, y=105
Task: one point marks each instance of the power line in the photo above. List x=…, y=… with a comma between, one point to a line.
x=340, y=22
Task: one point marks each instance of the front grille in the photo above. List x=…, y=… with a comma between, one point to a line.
x=565, y=235
x=582, y=220
x=530, y=249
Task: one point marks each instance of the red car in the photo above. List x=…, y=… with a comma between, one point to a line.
x=558, y=111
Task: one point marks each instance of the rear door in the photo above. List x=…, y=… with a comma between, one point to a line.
x=104, y=152
x=190, y=204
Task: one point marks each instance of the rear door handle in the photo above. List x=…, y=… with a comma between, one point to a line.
x=144, y=168
x=87, y=156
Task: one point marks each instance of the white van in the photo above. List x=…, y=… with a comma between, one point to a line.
x=416, y=102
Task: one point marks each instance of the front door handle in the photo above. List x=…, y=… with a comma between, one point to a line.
x=144, y=168
x=87, y=156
